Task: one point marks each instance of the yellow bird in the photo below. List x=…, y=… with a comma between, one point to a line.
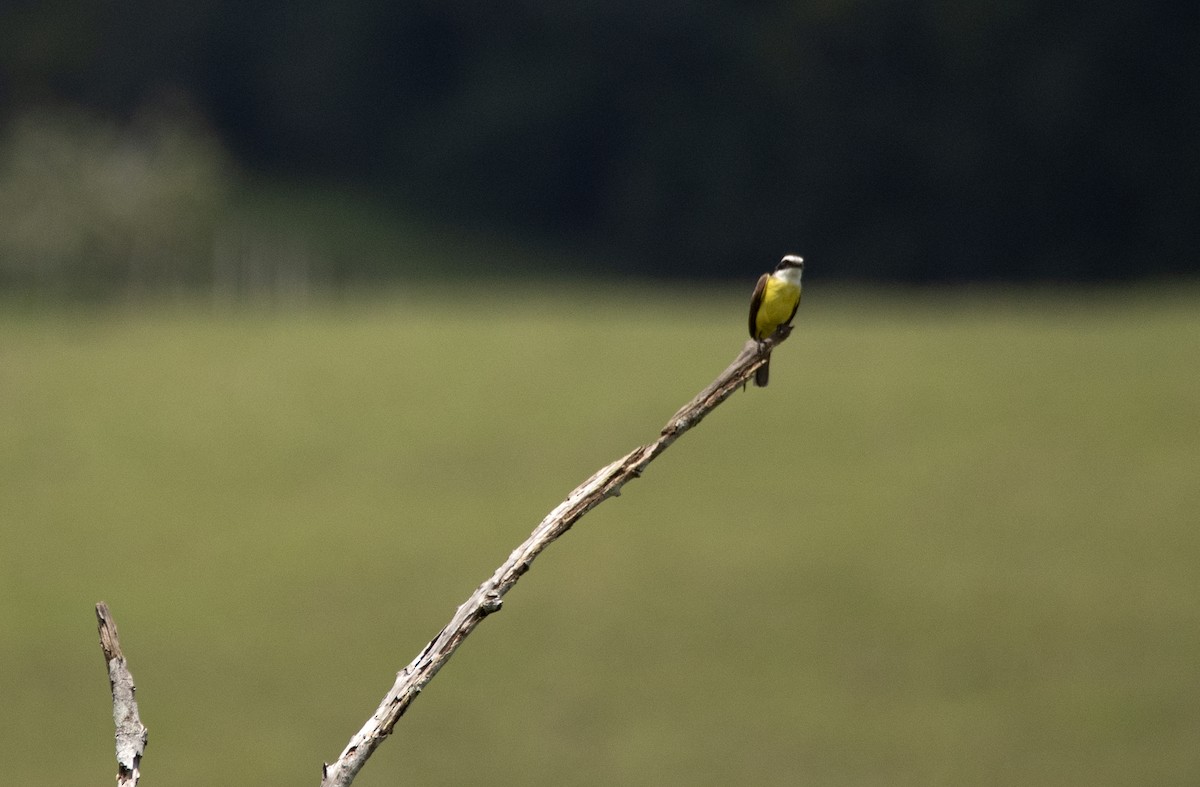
x=776, y=298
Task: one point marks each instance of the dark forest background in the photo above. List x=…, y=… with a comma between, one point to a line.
x=915, y=141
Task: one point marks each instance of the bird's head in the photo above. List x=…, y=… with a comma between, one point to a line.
x=790, y=269
x=790, y=261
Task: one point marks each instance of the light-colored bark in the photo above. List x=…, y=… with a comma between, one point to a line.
x=131, y=735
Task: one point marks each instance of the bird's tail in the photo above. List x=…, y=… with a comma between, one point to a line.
x=763, y=373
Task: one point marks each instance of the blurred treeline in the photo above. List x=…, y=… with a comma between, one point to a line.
x=920, y=141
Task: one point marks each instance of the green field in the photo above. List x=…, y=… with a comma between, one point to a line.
x=954, y=542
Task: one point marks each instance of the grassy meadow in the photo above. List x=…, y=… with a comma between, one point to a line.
x=955, y=541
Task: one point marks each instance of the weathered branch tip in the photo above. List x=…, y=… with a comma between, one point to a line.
x=131, y=734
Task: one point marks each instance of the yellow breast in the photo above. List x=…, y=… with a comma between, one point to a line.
x=779, y=302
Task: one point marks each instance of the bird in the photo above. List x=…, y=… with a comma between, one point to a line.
x=776, y=298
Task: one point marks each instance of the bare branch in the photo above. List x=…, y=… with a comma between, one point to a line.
x=487, y=598
x=131, y=735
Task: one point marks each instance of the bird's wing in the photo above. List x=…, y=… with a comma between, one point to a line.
x=756, y=301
